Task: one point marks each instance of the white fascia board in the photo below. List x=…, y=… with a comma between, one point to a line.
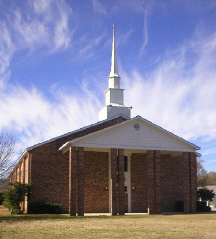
x=75, y=131
x=125, y=122
x=25, y=153
x=168, y=132
x=64, y=148
x=129, y=147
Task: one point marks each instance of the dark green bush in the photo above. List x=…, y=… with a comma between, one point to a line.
x=201, y=207
x=42, y=207
x=15, y=195
x=205, y=194
x=17, y=211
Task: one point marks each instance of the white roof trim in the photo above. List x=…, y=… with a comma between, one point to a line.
x=25, y=152
x=65, y=146
x=75, y=131
x=61, y=136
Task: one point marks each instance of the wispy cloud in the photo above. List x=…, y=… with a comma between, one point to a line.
x=210, y=150
x=38, y=25
x=87, y=47
x=136, y=5
x=179, y=94
x=213, y=161
x=145, y=33
x=36, y=118
x=6, y=53
x=98, y=7
x=124, y=37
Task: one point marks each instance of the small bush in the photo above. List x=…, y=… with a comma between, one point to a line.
x=205, y=194
x=15, y=195
x=201, y=207
x=17, y=211
x=45, y=208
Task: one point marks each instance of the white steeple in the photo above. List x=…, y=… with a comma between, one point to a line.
x=114, y=98
x=114, y=66
x=114, y=78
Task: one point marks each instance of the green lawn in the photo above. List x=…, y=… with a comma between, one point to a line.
x=139, y=226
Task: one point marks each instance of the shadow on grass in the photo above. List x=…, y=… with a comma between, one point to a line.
x=32, y=217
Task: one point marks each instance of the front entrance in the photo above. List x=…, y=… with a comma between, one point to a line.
x=127, y=183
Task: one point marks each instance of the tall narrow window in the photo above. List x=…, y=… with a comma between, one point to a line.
x=125, y=163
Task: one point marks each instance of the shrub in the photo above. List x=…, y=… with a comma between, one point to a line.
x=205, y=194
x=17, y=211
x=42, y=207
x=201, y=207
x=14, y=196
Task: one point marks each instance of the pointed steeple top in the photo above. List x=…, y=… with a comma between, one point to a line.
x=114, y=67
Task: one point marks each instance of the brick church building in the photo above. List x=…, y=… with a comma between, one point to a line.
x=117, y=165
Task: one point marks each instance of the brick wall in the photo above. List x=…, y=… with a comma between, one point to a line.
x=171, y=182
x=50, y=169
x=96, y=182
x=139, y=181
x=50, y=175
x=154, y=182
x=189, y=182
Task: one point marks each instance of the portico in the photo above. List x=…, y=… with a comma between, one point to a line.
x=148, y=151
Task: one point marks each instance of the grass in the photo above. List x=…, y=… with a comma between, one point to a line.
x=138, y=226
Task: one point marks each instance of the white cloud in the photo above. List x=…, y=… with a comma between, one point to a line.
x=41, y=6
x=139, y=6
x=99, y=7
x=89, y=45
x=6, y=53
x=179, y=95
x=145, y=34
x=35, y=118
x=213, y=161
x=37, y=25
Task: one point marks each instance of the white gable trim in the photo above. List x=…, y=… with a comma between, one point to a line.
x=75, y=131
x=76, y=141
x=64, y=135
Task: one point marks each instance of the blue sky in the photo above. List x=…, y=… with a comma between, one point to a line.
x=55, y=59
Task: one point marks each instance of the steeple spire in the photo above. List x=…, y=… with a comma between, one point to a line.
x=114, y=97
x=114, y=66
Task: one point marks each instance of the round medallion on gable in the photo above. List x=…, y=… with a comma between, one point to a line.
x=136, y=126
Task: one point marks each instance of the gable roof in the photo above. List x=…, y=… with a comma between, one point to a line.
x=124, y=135
x=120, y=117
x=75, y=131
